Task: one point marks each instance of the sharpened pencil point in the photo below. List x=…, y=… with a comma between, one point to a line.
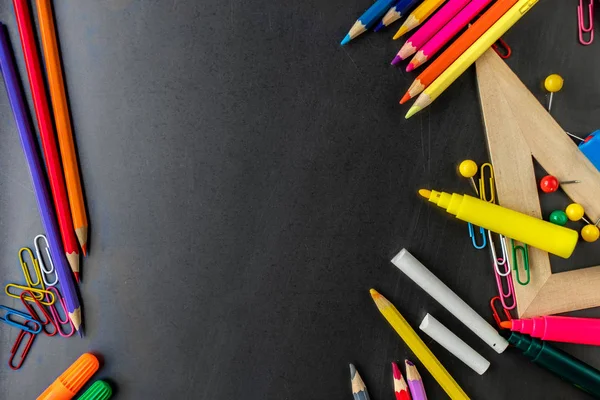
x=410, y=67
x=425, y=193
x=413, y=110
x=346, y=40
x=374, y=293
x=396, y=60
x=80, y=331
x=379, y=27
x=400, y=32
x=84, y=250
x=405, y=98
x=352, y=371
x=396, y=371
x=77, y=277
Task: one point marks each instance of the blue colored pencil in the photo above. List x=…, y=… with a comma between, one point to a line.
x=401, y=8
x=368, y=19
x=16, y=98
x=359, y=390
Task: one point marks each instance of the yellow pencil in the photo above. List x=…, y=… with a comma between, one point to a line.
x=410, y=337
x=417, y=17
x=463, y=62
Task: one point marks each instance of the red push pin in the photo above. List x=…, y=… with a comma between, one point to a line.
x=549, y=184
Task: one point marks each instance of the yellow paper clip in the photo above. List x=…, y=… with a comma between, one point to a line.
x=39, y=294
x=483, y=194
x=525, y=254
x=25, y=268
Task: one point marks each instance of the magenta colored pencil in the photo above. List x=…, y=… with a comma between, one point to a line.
x=431, y=27
x=461, y=20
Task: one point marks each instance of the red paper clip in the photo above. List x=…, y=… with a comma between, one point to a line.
x=495, y=311
x=56, y=315
x=48, y=319
x=15, y=348
x=502, y=49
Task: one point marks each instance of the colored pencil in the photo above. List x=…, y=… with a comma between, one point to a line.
x=418, y=16
x=359, y=390
x=18, y=103
x=444, y=35
x=63, y=121
x=414, y=381
x=489, y=18
x=431, y=27
x=400, y=386
x=368, y=19
x=49, y=145
x=463, y=62
x=395, y=13
x=414, y=342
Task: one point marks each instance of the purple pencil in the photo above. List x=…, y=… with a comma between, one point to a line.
x=17, y=102
x=415, y=383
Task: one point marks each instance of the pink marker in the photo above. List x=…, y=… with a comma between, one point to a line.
x=447, y=32
x=431, y=27
x=559, y=329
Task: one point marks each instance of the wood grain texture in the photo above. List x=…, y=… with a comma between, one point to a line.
x=517, y=128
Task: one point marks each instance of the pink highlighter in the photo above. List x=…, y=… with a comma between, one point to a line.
x=558, y=329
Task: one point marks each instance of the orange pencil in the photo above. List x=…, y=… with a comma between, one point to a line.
x=62, y=120
x=457, y=48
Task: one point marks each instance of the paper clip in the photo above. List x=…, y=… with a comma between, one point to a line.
x=25, y=268
x=38, y=294
x=502, y=49
x=47, y=318
x=525, y=255
x=474, y=239
x=56, y=315
x=45, y=272
x=495, y=312
x=483, y=195
x=15, y=348
x=505, y=273
x=26, y=317
x=581, y=23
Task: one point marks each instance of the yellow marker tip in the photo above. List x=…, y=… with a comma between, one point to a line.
x=425, y=193
x=413, y=110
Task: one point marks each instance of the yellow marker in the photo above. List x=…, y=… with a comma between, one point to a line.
x=414, y=342
x=463, y=62
x=533, y=231
x=420, y=14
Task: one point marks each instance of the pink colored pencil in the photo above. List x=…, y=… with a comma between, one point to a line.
x=445, y=34
x=427, y=31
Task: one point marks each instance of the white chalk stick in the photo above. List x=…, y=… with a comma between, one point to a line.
x=447, y=298
x=455, y=345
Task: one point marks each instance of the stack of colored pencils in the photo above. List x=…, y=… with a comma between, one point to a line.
x=61, y=205
x=439, y=28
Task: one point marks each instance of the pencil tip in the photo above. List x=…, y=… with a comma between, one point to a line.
x=396, y=60
x=413, y=110
x=352, y=371
x=379, y=27
x=425, y=193
x=346, y=40
x=396, y=371
x=400, y=32
x=80, y=331
x=374, y=293
x=409, y=363
x=405, y=98
x=84, y=250
x=410, y=67
x=77, y=277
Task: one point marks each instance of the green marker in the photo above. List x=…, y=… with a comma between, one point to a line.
x=100, y=390
x=557, y=361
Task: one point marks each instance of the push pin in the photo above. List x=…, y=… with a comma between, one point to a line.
x=553, y=83
x=590, y=233
x=468, y=169
x=574, y=212
x=558, y=217
x=549, y=184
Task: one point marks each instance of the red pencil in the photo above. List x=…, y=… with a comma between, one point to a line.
x=400, y=386
x=49, y=145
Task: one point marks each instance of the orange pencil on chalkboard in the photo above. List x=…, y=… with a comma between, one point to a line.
x=63, y=121
x=457, y=48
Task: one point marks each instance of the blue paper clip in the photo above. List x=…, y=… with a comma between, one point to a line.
x=474, y=239
x=26, y=317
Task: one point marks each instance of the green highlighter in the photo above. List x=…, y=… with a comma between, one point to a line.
x=564, y=365
x=99, y=390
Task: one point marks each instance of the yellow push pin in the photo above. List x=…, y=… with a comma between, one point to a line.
x=590, y=233
x=574, y=212
x=468, y=169
x=553, y=83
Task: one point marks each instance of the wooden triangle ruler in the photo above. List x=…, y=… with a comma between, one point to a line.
x=518, y=127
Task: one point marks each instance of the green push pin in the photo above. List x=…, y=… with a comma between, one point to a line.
x=559, y=217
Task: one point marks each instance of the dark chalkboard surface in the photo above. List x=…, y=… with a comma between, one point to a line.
x=248, y=180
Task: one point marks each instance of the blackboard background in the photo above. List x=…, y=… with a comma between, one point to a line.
x=248, y=180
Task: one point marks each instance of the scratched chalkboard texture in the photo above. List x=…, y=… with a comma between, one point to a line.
x=248, y=180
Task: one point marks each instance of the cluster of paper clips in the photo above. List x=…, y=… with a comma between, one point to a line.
x=486, y=191
x=581, y=25
x=40, y=298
